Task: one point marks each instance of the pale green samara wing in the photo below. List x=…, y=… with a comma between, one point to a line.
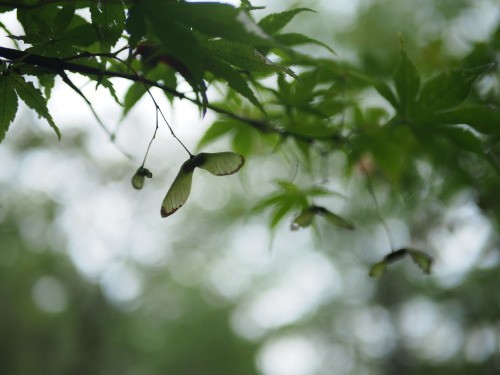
x=219, y=163
x=178, y=193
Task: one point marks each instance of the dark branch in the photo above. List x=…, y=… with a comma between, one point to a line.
x=59, y=66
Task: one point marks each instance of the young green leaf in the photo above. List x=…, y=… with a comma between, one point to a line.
x=33, y=99
x=132, y=96
x=274, y=22
x=279, y=212
x=295, y=39
x=8, y=104
x=218, y=129
x=381, y=87
x=450, y=88
x=219, y=164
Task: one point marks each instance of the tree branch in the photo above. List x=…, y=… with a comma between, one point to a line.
x=59, y=66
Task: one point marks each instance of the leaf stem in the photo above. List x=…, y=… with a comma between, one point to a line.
x=369, y=186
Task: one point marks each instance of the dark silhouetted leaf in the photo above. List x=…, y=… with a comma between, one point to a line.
x=33, y=99
x=8, y=104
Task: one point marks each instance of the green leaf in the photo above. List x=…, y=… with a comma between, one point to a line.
x=274, y=22
x=33, y=99
x=109, y=19
x=104, y=82
x=223, y=70
x=63, y=18
x=462, y=138
x=244, y=138
x=48, y=82
x=136, y=23
x=378, y=269
x=82, y=36
x=294, y=39
x=178, y=40
x=220, y=163
x=132, y=96
x=407, y=81
x=8, y=104
x=218, y=129
x=218, y=20
x=450, y=88
x=381, y=87
x=243, y=56
x=422, y=259
x=279, y=212
x=482, y=119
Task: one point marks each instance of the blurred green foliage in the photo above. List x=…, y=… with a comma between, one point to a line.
x=391, y=143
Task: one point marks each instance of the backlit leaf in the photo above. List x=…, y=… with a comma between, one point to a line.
x=450, y=88
x=295, y=39
x=218, y=129
x=274, y=22
x=483, y=119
